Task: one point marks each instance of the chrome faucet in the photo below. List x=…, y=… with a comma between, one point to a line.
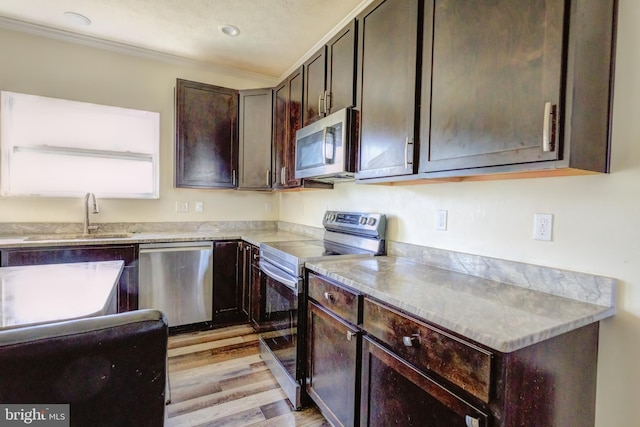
x=90, y=203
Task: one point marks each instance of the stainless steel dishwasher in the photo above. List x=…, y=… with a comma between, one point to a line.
x=177, y=278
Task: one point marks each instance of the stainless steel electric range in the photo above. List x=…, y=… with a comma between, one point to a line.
x=282, y=318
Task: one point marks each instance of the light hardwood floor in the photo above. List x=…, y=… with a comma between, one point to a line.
x=217, y=378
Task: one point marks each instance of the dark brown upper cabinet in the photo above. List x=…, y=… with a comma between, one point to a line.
x=389, y=43
x=287, y=119
x=329, y=76
x=206, y=136
x=255, y=122
x=517, y=86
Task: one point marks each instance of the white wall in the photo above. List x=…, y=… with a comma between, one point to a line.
x=40, y=66
x=596, y=225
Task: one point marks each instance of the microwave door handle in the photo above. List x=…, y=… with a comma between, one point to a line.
x=329, y=152
x=324, y=145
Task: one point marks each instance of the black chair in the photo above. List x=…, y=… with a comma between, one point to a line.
x=111, y=369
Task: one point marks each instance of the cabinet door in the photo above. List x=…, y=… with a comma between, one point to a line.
x=206, y=136
x=280, y=131
x=388, y=47
x=333, y=349
x=244, y=277
x=314, y=87
x=395, y=393
x=254, y=168
x=127, y=286
x=255, y=310
x=295, y=123
x=227, y=290
x=287, y=119
x=496, y=65
x=341, y=69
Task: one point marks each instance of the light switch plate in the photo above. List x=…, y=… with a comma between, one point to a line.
x=441, y=220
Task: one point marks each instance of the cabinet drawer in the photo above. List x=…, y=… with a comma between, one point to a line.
x=425, y=347
x=343, y=302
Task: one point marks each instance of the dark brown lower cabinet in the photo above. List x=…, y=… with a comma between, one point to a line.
x=395, y=393
x=244, y=277
x=127, y=286
x=333, y=350
x=227, y=289
x=250, y=283
x=255, y=289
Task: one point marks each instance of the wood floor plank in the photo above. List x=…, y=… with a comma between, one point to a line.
x=307, y=418
x=217, y=378
x=212, y=335
x=179, y=407
x=218, y=370
x=206, y=387
x=205, y=346
x=190, y=361
x=213, y=413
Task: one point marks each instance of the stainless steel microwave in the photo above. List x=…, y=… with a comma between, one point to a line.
x=325, y=149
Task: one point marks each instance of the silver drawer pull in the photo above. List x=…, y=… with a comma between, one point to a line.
x=350, y=335
x=411, y=341
x=329, y=296
x=471, y=422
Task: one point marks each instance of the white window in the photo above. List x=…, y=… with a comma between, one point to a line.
x=57, y=147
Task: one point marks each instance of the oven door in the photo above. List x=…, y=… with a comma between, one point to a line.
x=279, y=316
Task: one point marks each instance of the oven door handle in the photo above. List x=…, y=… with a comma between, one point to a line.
x=273, y=272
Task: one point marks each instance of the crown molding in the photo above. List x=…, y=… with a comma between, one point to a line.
x=98, y=43
x=354, y=13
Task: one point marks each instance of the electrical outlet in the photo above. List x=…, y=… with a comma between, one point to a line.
x=198, y=207
x=182, y=207
x=441, y=220
x=542, y=227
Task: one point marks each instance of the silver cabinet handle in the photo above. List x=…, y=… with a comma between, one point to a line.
x=350, y=335
x=256, y=256
x=411, y=341
x=268, y=180
x=406, y=153
x=471, y=422
x=329, y=296
x=547, y=127
x=327, y=102
x=233, y=177
x=320, y=103
x=282, y=172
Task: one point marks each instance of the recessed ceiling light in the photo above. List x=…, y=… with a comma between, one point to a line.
x=76, y=18
x=230, y=30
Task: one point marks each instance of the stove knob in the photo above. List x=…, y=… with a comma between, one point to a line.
x=371, y=221
x=363, y=220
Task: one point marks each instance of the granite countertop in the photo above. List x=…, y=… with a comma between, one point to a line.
x=255, y=237
x=501, y=316
x=36, y=294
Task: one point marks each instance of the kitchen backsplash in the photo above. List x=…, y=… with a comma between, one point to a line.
x=569, y=284
x=27, y=228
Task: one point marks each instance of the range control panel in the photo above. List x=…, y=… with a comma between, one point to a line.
x=369, y=224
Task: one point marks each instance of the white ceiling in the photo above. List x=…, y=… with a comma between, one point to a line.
x=275, y=34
